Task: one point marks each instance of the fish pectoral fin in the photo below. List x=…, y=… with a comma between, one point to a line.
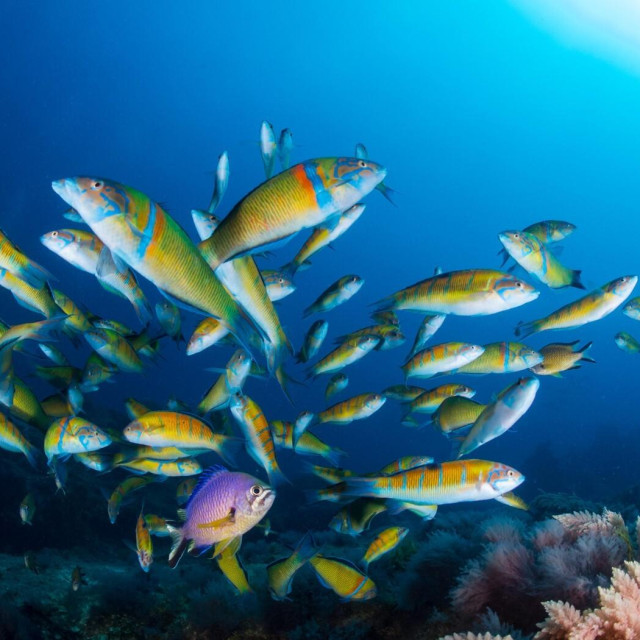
x=109, y=264
x=229, y=519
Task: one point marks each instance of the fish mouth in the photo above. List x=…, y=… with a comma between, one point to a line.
x=60, y=187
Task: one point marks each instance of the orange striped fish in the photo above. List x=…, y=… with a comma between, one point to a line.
x=259, y=442
x=141, y=234
x=384, y=542
x=446, y=483
x=173, y=429
x=308, y=444
x=471, y=292
x=343, y=578
x=356, y=408
x=12, y=259
x=441, y=358
x=430, y=400
x=301, y=197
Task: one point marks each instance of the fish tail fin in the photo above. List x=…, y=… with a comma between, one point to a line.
x=142, y=308
x=584, y=350
x=363, y=565
x=34, y=456
x=504, y=254
x=229, y=450
x=178, y=545
x=365, y=487
x=334, y=454
x=285, y=381
x=389, y=193
x=34, y=274
x=524, y=329
x=306, y=548
x=575, y=279
x=243, y=330
x=385, y=304
x=290, y=269
x=276, y=477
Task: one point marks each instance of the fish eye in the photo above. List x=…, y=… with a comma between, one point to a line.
x=281, y=280
x=54, y=234
x=256, y=490
x=362, y=164
x=97, y=184
x=510, y=473
x=518, y=284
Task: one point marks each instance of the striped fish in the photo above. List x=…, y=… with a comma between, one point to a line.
x=547, y=231
x=338, y=293
x=402, y=392
x=37, y=299
x=230, y=382
x=208, y=332
x=441, y=359
x=534, y=257
x=345, y=354
x=122, y=491
x=280, y=573
x=168, y=468
x=428, y=328
x=308, y=444
x=258, y=439
x=389, y=334
x=323, y=236
x=82, y=249
x=301, y=197
x=382, y=544
x=12, y=439
x=594, y=306
x=501, y=414
x=73, y=435
x=144, y=545
x=173, y=429
x=115, y=349
x=13, y=260
x=140, y=233
x=429, y=401
x=503, y=357
x=356, y=408
x=471, y=292
x=343, y=578
x=446, y=483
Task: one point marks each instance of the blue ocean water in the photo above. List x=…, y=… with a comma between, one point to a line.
x=484, y=119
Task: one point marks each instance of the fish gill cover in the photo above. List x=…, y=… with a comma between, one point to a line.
x=327, y=328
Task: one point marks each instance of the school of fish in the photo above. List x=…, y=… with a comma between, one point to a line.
x=127, y=236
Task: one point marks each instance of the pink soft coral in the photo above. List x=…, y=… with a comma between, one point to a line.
x=617, y=617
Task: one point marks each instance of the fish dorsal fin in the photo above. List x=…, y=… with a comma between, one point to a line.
x=205, y=476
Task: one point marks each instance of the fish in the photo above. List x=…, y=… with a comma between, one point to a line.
x=144, y=545
x=385, y=317
x=242, y=278
x=185, y=489
x=280, y=573
x=304, y=419
x=229, y=382
x=356, y=517
x=221, y=182
x=323, y=236
x=12, y=439
x=382, y=544
x=83, y=249
x=627, y=342
x=138, y=232
x=562, y=356
x=359, y=407
x=429, y=401
x=78, y=578
x=56, y=406
x=278, y=285
x=470, y=292
x=122, y=491
x=343, y=578
x=428, y=328
x=337, y=383
x=304, y=196
x=268, y=147
x=345, y=354
x=13, y=260
x=501, y=414
x=169, y=318
x=332, y=475
x=60, y=377
x=54, y=354
x=441, y=359
x=174, y=429
x=115, y=349
x=157, y=453
x=96, y=371
x=27, y=509
x=389, y=334
x=632, y=308
x=436, y=484
x=169, y=468
x=72, y=434
x=208, y=332
x=24, y=405
x=547, y=231
x=455, y=413
x=156, y=525
x=308, y=443
x=223, y=505
x=285, y=146
x=512, y=500
x=135, y=409
x=230, y=565
x=37, y=299
x=362, y=153
x=338, y=293
x=534, y=257
x=402, y=392
x=31, y=563
x=594, y=306
x=258, y=439
x=96, y=460
x=313, y=340
x=503, y=357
